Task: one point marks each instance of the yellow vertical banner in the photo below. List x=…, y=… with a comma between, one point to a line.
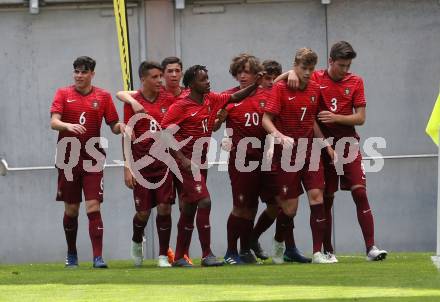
x=432, y=128
x=120, y=8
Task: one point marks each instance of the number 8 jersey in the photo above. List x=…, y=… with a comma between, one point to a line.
x=340, y=98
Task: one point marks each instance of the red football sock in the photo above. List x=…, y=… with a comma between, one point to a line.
x=96, y=231
x=289, y=239
x=163, y=224
x=317, y=224
x=70, y=225
x=365, y=216
x=204, y=229
x=264, y=222
x=327, y=242
x=138, y=229
x=245, y=234
x=284, y=222
x=233, y=233
x=185, y=228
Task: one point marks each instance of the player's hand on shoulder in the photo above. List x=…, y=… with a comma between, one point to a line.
x=76, y=128
x=259, y=78
x=292, y=80
x=129, y=179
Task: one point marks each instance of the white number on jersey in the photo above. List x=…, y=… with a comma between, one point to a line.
x=304, y=109
x=253, y=118
x=334, y=106
x=153, y=126
x=205, y=125
x=82, y=118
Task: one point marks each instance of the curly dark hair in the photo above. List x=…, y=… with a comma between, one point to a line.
x=191, y=73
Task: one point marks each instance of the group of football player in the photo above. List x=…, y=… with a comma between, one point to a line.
x=273, y=121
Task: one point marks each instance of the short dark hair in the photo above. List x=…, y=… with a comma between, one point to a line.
x=146, y=66
x=239, y=62
x=86, y=62
x=342, y=50
x=272, y=67
x=306, y=56
x=171, y=60
x=191, y=73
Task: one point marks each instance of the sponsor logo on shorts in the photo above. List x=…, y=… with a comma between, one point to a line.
x=198, y=188
x=366, y=211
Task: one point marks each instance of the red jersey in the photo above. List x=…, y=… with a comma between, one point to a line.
x=340, y=98
x=245, y=119
x=87, y=110
x=156, y=110
x=194, y=119
x=295, y=110
x=183, y=92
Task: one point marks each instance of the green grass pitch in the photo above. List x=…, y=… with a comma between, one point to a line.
x=402, y=277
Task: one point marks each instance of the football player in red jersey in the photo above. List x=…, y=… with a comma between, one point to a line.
x=155, y=103
x=194, y=115
x=77, y=112
x=172, y=75
x=295, y=112
x=342, y=109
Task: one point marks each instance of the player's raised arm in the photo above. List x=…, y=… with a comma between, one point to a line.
x=127, y=98
x=241, y=94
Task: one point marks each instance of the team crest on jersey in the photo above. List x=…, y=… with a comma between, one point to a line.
x=95, y=104
x=262, y=103
x=312, y=98
x=198, y=188
x=163, y=109
x=347, y=91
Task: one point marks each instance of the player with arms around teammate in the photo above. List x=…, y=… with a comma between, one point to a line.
x=194, y=115
x=295, y=112
x=155, y=103
x=77, y=112
x=342, y=109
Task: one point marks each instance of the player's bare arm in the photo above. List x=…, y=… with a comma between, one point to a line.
x=270, y=128
x=117, y=128
x=355, y=119
x=291, y=77
x=127, y=97
x=222, y=114
x=243, y=93
x=57, y=124
x=317, y=132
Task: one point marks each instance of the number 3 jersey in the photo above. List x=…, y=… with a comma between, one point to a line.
x=86, y=110
x=147, y=128
x=340, y=98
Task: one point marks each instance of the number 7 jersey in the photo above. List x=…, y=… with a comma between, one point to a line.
x=340, y=98
x=295, y=110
